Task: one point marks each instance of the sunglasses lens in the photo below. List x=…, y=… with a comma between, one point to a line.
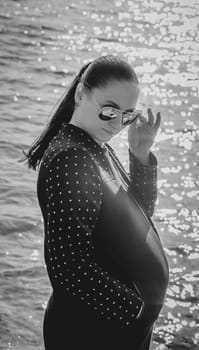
x=130, y=117
x=126, y=121
x=108, y=113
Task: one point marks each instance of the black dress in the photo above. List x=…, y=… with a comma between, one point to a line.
x=103, y=255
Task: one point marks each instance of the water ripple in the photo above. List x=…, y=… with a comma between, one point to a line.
x=42, y=46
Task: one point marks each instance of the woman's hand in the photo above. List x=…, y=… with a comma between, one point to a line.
x=141, y=135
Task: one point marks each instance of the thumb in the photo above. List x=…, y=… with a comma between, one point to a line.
x=142, y=118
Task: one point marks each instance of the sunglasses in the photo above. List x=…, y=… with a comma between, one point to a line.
x=107, y=113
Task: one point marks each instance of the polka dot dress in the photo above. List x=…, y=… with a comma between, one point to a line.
x=70, y=196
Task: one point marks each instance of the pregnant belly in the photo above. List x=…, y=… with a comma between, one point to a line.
x=127, y=244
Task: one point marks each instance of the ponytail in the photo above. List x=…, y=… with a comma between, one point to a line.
x=63, y=113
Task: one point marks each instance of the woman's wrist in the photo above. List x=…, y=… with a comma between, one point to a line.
x=142, y=157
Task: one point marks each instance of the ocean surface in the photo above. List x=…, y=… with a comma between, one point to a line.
x=42, y=46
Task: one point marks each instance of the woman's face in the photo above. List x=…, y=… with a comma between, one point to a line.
x=119, y=94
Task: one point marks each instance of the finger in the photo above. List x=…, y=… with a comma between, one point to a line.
x=142, y=118
x=157, y=122
x=150, y=116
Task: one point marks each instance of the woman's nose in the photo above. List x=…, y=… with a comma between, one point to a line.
x=116, y=123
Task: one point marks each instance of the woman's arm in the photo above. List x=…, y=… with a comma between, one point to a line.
x=74, y=197
x=143, y=164
x=141, y=179
x=143, y=183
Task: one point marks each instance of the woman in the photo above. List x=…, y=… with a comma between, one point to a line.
x=104, y=258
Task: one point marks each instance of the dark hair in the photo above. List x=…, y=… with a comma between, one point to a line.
x=92, y=75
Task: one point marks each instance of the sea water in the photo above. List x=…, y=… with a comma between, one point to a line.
x=43, y=44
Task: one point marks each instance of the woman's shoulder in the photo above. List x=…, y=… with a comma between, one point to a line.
x=72, y=143
x=66, y=150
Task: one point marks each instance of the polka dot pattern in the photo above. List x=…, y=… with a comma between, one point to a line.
x=74, y=197
x=71, y=200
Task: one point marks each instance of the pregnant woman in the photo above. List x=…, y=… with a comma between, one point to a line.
x=104, y=257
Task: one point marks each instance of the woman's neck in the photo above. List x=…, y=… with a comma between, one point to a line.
x=74, y=122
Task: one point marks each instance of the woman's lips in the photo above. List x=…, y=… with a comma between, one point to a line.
x=109, y=132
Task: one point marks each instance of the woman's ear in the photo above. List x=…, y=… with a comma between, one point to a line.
x=79, y=93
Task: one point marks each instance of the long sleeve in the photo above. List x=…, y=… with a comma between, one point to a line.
x=73, y=200
x=144, y=181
